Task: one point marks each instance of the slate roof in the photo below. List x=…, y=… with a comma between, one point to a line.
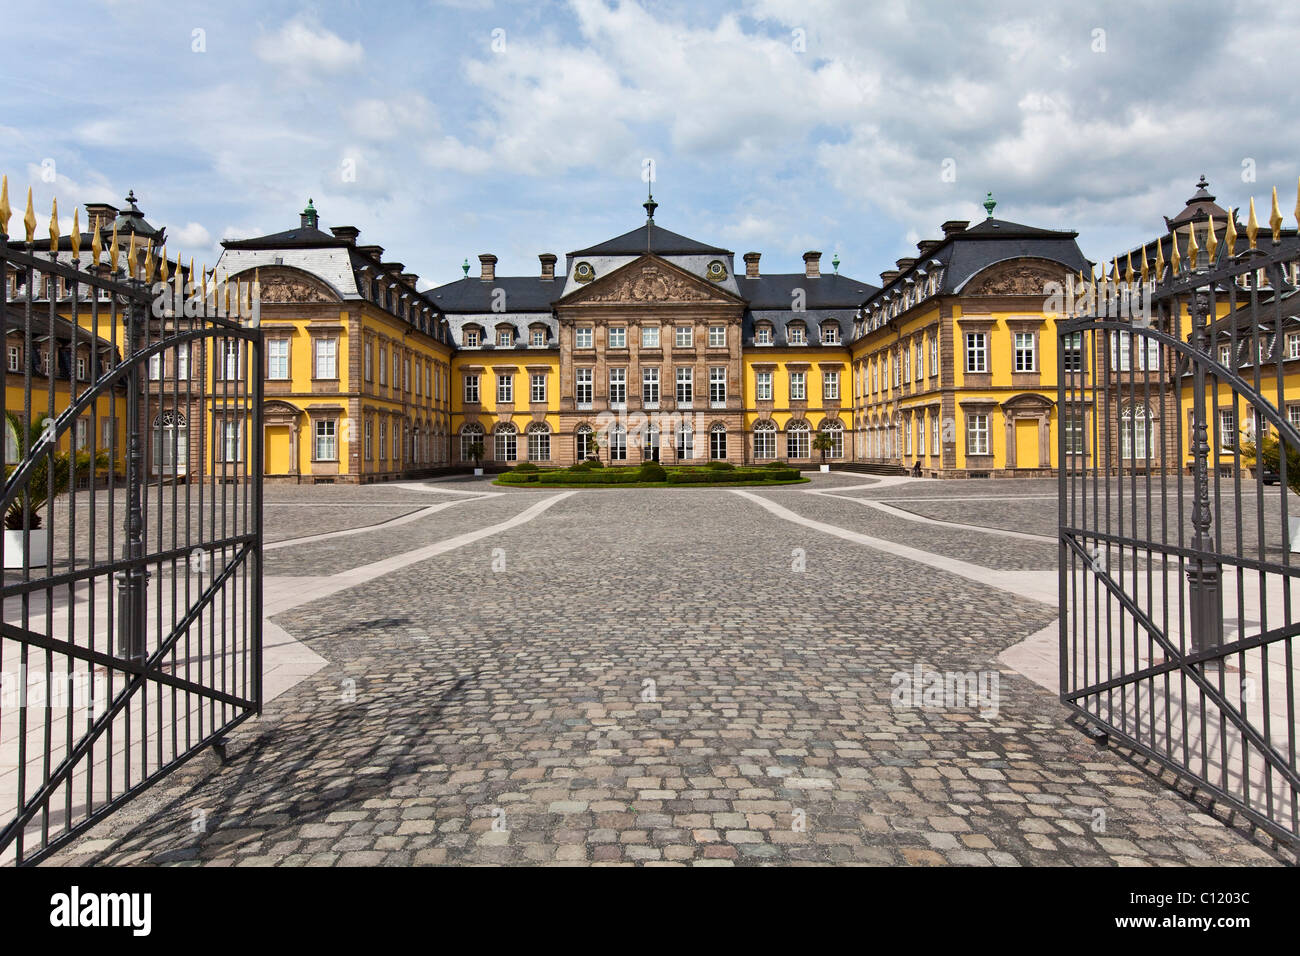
x=813, y=320
x=776, y=291
x=522, y=294
x=650, y=237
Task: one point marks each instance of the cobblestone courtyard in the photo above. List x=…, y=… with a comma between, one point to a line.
x=692, y=676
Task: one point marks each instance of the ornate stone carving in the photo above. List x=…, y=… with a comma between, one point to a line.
x=286, y=286
x=1016, y=279
x=650, y=283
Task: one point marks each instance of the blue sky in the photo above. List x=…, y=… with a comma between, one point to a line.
x=447, y=129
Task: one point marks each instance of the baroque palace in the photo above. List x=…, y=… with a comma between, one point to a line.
x=648, y=346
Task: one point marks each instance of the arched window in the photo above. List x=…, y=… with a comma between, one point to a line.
x=1135, y=432
x=171, y=443
x=583, y=442
x=685, y=443
x=470, y=435
x=718, y=442
x=617, y=443
x=507, y=439
x=765, y=439
x=835, y=429
x=539, y=442
x=798, y=443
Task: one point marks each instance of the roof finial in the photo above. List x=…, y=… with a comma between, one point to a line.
x=989, y=203
x=836, y=263
x=650, y=204
x=464, y=267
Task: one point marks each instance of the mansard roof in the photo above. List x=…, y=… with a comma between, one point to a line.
x=522, y=294
x=650, y=237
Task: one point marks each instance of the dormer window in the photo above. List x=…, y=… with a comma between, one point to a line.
x=538, y=338
x=763, y=335
x=505, y=338
x=830, y=334
x=795, y=334
x=471, y=338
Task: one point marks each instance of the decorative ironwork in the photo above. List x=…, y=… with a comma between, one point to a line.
x=1177, y=581
x=132, y=595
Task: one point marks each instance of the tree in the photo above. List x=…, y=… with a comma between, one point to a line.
x=1269, y=452
x=823, y=443
x=36, y=492
x=475, y=452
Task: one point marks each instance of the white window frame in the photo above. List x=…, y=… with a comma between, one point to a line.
x=537, y=387
x=717, y=386
x=649, y=336
x=325, y=440
x=977, y=353
x=618, y=388
x=325, y=358
x=583, y=337
x=717, y=336
x=685, y=386
x=273, y=370
x=1025, y=352
x=618, y=336
x=583, y=386
x=763, y=387
x=505, y=388
x=978, y=435
x=650, y=387
x=830, y=386
x=472, y=396
x=798, y=387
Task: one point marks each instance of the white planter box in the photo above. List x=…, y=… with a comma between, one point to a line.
x=825, y=467
x=36, y=546
x=1292, y=520
x=478, y=472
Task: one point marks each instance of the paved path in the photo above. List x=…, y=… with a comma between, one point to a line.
x=662, y=676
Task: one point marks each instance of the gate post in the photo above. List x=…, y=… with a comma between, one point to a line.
x=132, y=586
x=1203, y=577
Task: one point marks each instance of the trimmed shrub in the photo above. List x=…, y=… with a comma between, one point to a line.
x=653, y=471
x=776, y=464
x=526, y=466
x=721, y=465
x=518, y=478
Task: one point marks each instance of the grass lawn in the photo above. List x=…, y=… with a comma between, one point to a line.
x=649, y=476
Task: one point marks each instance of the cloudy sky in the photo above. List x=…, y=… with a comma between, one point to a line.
x=447, y=129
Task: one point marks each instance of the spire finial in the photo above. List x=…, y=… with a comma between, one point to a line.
x=464, y=267
x=835, y=262
x=989, y=203
x=650, y=204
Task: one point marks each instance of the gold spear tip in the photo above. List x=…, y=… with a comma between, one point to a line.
x=1160, y=261
x=162, y=270
x=130, y=255
x=54, y=226
x=1174, y=257
x=1230, y=236
x=1252, y=224
x=112, y=249
x=1146, y=272
x=1211, y=244
x=1275, y=218
x=148, y=263
x=1128, y=268
x=96, y=245
x=75, y=238
x=6, y=213
x=29, y=217
x=1193, y=247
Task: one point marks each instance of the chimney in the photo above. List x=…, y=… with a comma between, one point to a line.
x=346, y=233
x=488, y=264
x=812, y=264
x=412, y=278
x=548, y=265
x=953, y=226
x=374, y=252
x=904, y=264
x=927, y=246
x=888, y=276
x=99, y=215
x=751, y=265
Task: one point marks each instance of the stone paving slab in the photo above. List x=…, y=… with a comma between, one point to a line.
x=646, y=677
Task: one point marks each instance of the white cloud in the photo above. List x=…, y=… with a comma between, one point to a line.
x=302, y=47
x=190, y=236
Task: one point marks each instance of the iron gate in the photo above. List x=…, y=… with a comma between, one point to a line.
x=1177, y=445
x=132, y=594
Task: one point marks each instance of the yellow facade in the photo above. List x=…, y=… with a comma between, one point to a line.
x=823, y=400
x=488, y=369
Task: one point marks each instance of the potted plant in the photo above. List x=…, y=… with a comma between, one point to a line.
x=823, y=444
x=32, y=546
x=476, y=455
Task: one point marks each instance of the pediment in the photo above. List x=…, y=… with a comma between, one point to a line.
x=649, y=280
x=286, y=284
x=1018, y=277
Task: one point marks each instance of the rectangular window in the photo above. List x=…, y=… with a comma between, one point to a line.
x=582, y=337
x=905, y=362
x=15, y=359
x=370, y=440
x=583, y=387
x=618, y=443
x=537, y=390
x=369, y=361
x=1293, y=345
x=505, y=389
x=326, y=447
x=539, y=445
x=977, y=359
x=1072, y=424
x=183, y=363
x=1025, y=358
x=717, y=336
x=1225, y=356
x=1293, y=415
x=419, y=390
x=81, y=368
x=763, y=335
x=918, y=358
x=507, y=448
x=108, y=435
x=584, y=444
x=830, y=386
x=907, y=438
x=397, y=443
x=934, y=434
x=717, y=387
x=897, y=361
x=471, y=389
x=830, y=335
x=538, y=338
x=406, y=374
x=383, y=441
x=618, y=336
x=650, y=337
x=617, y=387
x=277, y=359
x=383, y=365
x=685, y=443
x=230, y=446
x=977, y=434
x=685, y=387
x=81, y=434
x=650, y=386
x=1072, y=352
x=683, y=336
x=1227, y=428
x=471, y=341
x=505, y=338
x=155, y=367
x=798, y=387
x=794, y=334
x=934, y=355
x=327, y=358
x=1121, y=352
x=765, y=443
x=763, y=389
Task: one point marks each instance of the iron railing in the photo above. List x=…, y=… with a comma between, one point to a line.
x=131, y=634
